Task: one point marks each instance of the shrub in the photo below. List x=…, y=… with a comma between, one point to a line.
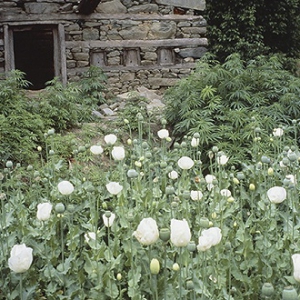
x=24, y=120
x=229, y=104
x=20, y=128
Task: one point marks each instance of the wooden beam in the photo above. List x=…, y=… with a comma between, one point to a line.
x=65, y=17
x=139, y=43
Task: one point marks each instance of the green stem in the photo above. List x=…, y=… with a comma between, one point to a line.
x=155, y=286
x=165, y=271
x=62, y=242
x=21, y=286
x=204, y=275
x=109, y=258
x=180, y=273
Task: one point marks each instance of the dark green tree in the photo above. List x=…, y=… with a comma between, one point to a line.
x=253, y=27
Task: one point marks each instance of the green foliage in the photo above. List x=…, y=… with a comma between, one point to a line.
x=66, y=106
x=253, y=27
x=92, y=86
x=24, y=120
x=20, y=127
x=61, y=105
x=226, y=102
x=75, y=256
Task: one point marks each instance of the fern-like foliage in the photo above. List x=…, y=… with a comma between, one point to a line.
x=224, y=103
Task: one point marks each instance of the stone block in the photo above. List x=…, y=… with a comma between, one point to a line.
x=90, y=34
x=191, y=4
x=41, y=8
x=162, y=30
x=111, y=7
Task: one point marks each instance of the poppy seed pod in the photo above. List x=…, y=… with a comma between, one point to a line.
x=267, y=289
x=164, y=234
x=289, y=293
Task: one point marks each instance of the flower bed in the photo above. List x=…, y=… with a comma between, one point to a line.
x=155, y=224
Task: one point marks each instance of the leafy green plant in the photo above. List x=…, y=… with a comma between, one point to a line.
x=90, y=244
x=227, y=104
x=25, y=119
x=92, y=86
x=20, y=127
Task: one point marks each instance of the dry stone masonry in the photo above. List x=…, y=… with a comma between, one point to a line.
x=150, y=43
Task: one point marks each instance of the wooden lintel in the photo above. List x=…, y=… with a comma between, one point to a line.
x=138, y=43
x=65, y=17
x=183, y=66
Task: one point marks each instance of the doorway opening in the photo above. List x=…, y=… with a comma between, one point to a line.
x=34, y=54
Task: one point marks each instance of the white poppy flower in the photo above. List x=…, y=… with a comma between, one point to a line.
x=185, y=163
x=173, y=175
x=196, y=195
x=96, y=150
x=90, y=236
x=108, y=220
x=20, y=258
x=222, y=159
x=163, y=134
x=44, y=211
x=225, y=193
x=278, y=132
x=296, y=266
x=114, y=188
x=147, y=232
x=195, y=142
x=65, y=187
x=110, y=139
x=277, y=194
x=180, y=233
x=118, y=153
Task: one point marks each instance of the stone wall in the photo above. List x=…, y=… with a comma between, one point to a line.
x=136, y=43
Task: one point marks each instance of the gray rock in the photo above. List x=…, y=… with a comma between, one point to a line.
x=149, y=8
x=107, y=111
x=111, y=7
x=191, y=4
x=192, y=52
x=135, y=33
x=162, y=30
x=97, y=114
x=41, y=8
x=90, y=34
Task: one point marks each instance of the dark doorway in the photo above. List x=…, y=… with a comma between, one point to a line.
x=33, y=50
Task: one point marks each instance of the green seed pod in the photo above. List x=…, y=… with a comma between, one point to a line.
x=267, y=289
x=170, y=190
x=9, y=164
x=204, y=222
x=191, y=246
x=289, y=293
x=215, y=149
x=59, y=208
x=164, y=234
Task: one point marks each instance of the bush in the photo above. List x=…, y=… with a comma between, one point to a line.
x=20, y=128
x=230, y=104
x=25, y=120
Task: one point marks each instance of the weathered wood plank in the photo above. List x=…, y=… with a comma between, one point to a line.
x=139, y=43
x=183, y=66
x=64, y=17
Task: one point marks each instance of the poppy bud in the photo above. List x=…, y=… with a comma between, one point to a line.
x=154, y=266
